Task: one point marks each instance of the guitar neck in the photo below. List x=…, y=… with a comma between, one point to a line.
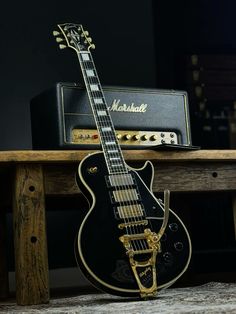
x=111, y=148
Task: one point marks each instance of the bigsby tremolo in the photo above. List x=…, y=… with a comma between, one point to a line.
x=143, y=261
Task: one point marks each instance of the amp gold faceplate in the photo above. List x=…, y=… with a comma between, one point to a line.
x=126, y=137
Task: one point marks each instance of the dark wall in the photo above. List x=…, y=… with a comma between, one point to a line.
x=187, y=27
x=30, y=60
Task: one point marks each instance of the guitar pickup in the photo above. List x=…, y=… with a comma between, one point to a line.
x=119, y=180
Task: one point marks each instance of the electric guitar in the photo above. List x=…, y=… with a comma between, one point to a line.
x=129, y=243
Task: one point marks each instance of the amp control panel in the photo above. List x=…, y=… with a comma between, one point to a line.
x=126, y=137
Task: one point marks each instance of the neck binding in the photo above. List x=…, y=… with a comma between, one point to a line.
x=111, y=148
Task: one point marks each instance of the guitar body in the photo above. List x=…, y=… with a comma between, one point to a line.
x=99, y=251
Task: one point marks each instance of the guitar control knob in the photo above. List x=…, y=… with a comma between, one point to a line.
x=168, y=258
x=144, y=137
x=136, y=137
x=179, y=246
x=153, y=137
x=127, y=137
x=173, y=227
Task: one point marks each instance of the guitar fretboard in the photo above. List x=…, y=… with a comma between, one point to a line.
x=111, y=148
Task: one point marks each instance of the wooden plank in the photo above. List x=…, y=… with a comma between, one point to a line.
x=31, y=262
x=189, y=177
x=74, y=156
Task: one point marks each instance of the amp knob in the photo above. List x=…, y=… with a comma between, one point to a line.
x=144, y=137
x=153, y=137
x=118, y=136
x=127, y=137
x=136, y=137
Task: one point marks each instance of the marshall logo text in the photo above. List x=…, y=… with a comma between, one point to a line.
x=116, y=106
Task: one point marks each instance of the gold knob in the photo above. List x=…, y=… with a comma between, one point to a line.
x=153, y=137
x=127, y=137
x=136, y=137
x=62, y=46
x=118, y=136
x=144, y=137
x=56, y=33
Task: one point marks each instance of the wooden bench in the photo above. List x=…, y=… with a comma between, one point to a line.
x=26, y=177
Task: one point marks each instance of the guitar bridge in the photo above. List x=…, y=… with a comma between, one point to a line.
x=143, y=261
x=142, y=250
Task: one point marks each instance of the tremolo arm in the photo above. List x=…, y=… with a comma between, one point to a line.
x=143, y=261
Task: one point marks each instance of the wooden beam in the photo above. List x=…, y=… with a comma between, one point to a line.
x=31, y=261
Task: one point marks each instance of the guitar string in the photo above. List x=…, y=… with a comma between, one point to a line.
x=103, y=122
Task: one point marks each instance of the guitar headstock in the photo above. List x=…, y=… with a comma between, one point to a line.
x=73, y=36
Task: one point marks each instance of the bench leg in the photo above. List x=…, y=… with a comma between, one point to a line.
x=4, y=280
x=31, y=259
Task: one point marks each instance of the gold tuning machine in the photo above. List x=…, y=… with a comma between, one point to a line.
x=59, y=39
x=56, y=33
x=62, y=46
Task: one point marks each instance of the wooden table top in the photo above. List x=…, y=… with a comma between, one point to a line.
x=73, y=156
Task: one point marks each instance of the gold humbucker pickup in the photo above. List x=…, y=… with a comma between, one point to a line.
x=133, y=223
x=116, y=180
x=125, y=195
x=130, y=211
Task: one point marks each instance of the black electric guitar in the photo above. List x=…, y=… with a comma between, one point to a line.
x=129, y=243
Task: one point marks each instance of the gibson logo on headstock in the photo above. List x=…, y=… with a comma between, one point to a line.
x=116, y=106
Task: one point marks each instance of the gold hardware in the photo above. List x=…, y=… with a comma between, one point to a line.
x=56, y=33
x=92, y=46
x=92, y=170
x=144, y=137
x=136, y=137
x=141, y=268
x=62, y=46
x=153, y=137
x=133, y=223
x=127, y=137
x=59, y=39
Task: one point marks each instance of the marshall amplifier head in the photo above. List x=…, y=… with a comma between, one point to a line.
x=62, y=118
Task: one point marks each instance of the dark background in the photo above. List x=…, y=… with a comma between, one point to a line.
x=138, y=43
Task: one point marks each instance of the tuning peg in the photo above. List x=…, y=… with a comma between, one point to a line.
x=88, y=40
x=59, y=39
x=62, y=46
x=56, y=33
x=92, y=46
x=85, y=33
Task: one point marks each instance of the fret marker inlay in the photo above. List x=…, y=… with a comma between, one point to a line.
x=98, y=101
x=101, y=113
x=90, y=73
x=85, y=56
x=94, y=87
